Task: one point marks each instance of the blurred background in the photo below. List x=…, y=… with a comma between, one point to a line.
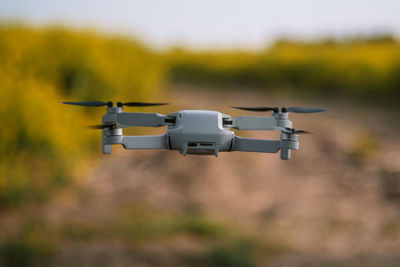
x=335, y=203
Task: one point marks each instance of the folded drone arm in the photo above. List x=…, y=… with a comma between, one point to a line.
x=259, y=123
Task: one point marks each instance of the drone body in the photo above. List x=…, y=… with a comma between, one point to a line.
x=199, y=132
x=202, y=132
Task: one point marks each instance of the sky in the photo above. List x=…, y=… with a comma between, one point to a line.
x=213, y=23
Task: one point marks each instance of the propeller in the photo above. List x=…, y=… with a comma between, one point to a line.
x=110, y=104
x=103, y=126
x=259, y=109
x=276, y=109
x=140, y=104
x=294, y=131
x=90, y=103
x=302, y=110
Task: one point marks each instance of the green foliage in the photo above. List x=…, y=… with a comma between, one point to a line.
x=390, y=229
x=198, y=225
x=137, y=225
x=33, y=245
x=364, y=147
x=357, y=67
x=43, y=143
x=237, y=253
x=16, y=254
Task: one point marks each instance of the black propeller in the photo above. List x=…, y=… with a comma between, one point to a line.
x=289, y=109
x=110, y=104
x=294, y=131
x=302, y=110
x=103, y=126
x=90, y=103
x=259, y=109
x=140, y=104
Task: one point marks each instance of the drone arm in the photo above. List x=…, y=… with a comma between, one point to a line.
x=148, y=142
x=286, y=144
x=135, y=142
x=259, y=123
x=256, y=145
x=141, y=119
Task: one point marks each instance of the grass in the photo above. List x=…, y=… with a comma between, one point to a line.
x=364, y=147
x=136, y=226
x=390, y=229
x=34, y=245
x=238, y=253
x=39, y=241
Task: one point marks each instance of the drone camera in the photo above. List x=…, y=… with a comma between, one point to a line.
x=201, y=148
x=226, y=122
x=194, y=144
x=170, y=120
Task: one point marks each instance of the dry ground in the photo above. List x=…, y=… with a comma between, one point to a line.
x=335, y=203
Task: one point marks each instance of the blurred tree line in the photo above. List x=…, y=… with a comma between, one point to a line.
x=363, y=67
x=43, y=145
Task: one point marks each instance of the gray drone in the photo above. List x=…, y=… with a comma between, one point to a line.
x=203, y=132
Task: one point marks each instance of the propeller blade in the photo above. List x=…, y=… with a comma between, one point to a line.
x=290, y=109
x=302, y=132
x=102, y=126
x=294, y=131
x=89, y=103
x=304, y=110
x=142, y=104
x=258, y=109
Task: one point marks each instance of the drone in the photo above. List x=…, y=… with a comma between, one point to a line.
x=199, y=132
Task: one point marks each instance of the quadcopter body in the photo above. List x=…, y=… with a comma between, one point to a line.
x=201, y=132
